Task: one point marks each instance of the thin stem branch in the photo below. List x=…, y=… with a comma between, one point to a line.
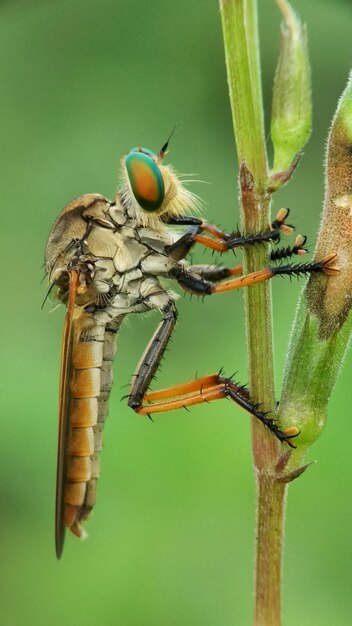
x=239, y=23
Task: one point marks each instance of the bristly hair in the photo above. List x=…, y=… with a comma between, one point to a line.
x=178, y=199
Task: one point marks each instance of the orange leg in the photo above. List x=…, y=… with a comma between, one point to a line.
x=199, y=286
x=213, y=230
x=211, y=387
x=238, y=240
x=221, y=241
x=194, y=385
x=244, y=281
x=220, y=246
x=207, y=389
x=237, y=269
x=215, y=272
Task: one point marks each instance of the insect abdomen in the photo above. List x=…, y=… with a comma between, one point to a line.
x=91, y=381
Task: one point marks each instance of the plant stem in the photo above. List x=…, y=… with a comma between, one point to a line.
x=239, y=21
x=270, y=537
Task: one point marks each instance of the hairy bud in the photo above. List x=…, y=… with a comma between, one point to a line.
x=291, y=118
x=324, y=320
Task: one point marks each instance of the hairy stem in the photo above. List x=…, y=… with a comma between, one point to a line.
x=270, y=531
x=239, y=21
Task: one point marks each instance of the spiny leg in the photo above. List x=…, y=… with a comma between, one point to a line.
x=277, y=225
x=180, y=248
x=289, y=251
x=223, y=241
x=152, y=356
x=197, y=285
x=198, y=385
x=239, y=240
x=271, y=235
x=189, y=220
x=214, y=272
x=219, y=272
x=207, y=389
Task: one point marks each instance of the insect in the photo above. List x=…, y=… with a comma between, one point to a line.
x=106, y=260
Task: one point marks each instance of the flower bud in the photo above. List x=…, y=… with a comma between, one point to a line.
x=331, y=301
x=291, y=118
x=324, y=318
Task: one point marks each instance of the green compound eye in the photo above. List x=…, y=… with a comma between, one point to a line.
x=140, y=150
x=145, y=179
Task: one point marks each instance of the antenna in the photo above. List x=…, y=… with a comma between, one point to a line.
x=165, y=146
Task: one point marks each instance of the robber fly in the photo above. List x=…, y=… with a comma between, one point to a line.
x=105, y=260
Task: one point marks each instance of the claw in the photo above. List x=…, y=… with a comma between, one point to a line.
x=290, y=433
x=280, y=222
x=329, y=264
x=299, y=248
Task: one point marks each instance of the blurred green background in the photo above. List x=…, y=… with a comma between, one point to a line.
x=171, y=538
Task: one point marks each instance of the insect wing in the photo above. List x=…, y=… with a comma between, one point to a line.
x=64, y=407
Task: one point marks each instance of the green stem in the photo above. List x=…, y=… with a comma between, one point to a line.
x=270, y=536
x=239, y=21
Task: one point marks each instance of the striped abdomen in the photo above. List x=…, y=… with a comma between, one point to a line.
x=90, y=383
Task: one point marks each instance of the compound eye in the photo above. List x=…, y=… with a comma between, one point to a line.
x=145, y=179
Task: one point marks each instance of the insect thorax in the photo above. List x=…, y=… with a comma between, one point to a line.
x=124, y=259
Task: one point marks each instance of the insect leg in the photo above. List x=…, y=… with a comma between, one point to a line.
x=206, y=389
x=214, y=272
x=218, y=272
x=197, y=285
x=152, y=356
x=272, y=234
x=223, y=241
x=182, y=246
x=181, y=220
x=195, y=221
x=288, y=251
